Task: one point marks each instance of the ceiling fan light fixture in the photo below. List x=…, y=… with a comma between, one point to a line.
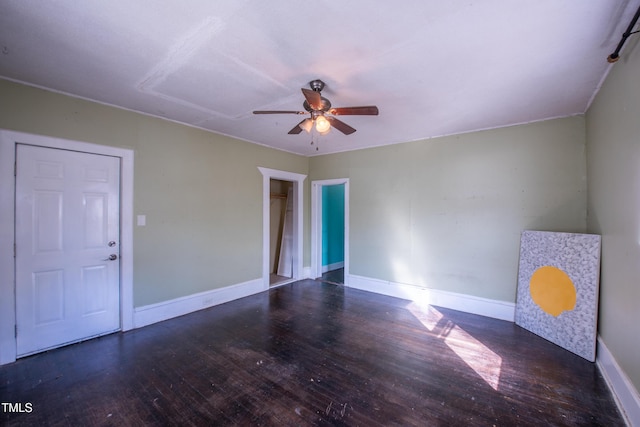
x=322, y=125
x=317, y=106
x=307, y=125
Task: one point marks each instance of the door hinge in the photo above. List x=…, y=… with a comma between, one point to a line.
x=16, y=332
x=15, y=168
x=14, y=249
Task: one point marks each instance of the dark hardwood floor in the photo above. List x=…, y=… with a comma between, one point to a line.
x=275, y=280
x=312, y=353
x=334, y=276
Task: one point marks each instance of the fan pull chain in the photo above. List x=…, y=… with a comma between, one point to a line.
x=317, y=141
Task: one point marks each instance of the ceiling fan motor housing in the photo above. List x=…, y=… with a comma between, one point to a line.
x=325, y=105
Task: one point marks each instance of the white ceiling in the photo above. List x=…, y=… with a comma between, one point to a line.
x=432, y=67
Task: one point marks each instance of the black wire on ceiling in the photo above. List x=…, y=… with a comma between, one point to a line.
x=616, y=53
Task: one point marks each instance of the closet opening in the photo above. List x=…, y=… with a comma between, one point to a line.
x=280, y=231
x=291, y=250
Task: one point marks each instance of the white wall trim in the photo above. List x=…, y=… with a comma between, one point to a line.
x=470, y=304
x=7, y=264
x=316, y=225
x=331, y=267
x=298, y=219
x=152, y=313
x=625, y=394
x=8, y=141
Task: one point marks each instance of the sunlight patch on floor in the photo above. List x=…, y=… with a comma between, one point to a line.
x=478, y=356
x=428, y=316
x=486, y=363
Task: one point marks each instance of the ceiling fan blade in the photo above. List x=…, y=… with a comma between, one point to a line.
x=279, y=112
x=297, y=129
x=368, y=110
x=313, y=98
x=341, y=126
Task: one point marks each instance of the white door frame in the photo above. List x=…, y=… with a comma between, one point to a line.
x=316, y=225
x=8, y=141
x=298, y=209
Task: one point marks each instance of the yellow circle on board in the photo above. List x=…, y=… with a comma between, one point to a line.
x=553, y=290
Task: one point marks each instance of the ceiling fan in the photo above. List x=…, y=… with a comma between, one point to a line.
x=322, y=114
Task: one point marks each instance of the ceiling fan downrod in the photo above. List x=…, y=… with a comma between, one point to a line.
x=316, y=85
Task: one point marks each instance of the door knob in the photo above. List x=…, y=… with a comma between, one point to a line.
x=112, y=257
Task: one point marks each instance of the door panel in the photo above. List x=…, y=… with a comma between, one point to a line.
x=48, y=296
x=47, y=222
x=67, y=213
x=94, y=224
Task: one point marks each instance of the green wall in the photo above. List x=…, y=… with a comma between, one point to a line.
x=332, y=224
x=613, y=152
x=201, y=192
x=444, y=213
x=447, y=213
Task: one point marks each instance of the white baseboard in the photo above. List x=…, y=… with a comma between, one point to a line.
x=306, y=273
x=625, y=394
x=153, y=313
x=331, y=267
x=485, y=307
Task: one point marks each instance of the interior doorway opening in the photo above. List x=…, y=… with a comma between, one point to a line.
x=330, y=230
x=280, y=231
x=333, y=233
x=294, y=256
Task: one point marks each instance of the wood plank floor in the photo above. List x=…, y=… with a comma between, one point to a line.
x=275, y=280
x=317, y=354
x=334, y=276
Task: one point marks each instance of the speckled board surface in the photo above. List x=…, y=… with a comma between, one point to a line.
x=558, y=280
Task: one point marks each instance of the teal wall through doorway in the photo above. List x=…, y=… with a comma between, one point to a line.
x=332, y=226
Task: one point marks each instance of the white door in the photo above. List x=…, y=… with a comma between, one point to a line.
x=67, y=247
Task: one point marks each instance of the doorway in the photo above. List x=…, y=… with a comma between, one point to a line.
x=10, y=277
x=67, y=247
x=293, y=265
x=330, y=230
x=280, y=232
